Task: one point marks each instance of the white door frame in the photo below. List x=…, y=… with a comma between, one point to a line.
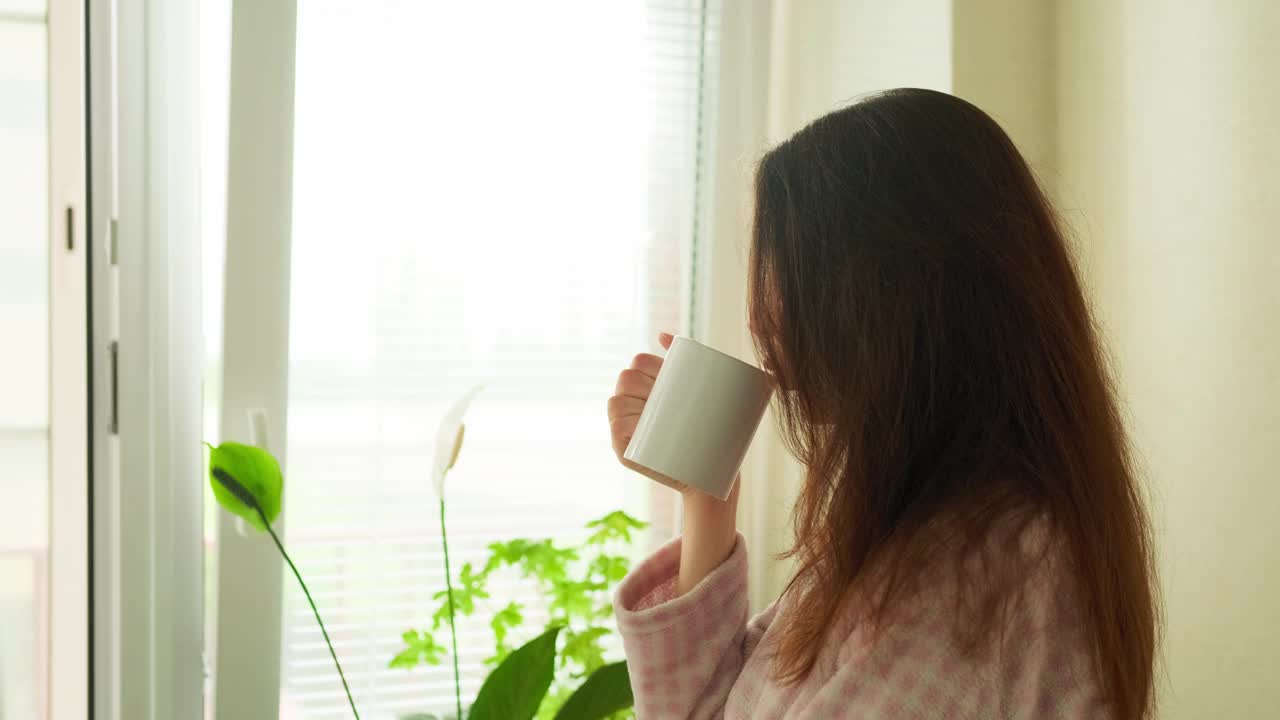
x=147, y=459
x=146, y=354
x=104, y=576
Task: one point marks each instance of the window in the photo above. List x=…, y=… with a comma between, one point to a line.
x=502, y=195
x=24, y=376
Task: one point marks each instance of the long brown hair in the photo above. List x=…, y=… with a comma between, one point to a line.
x=914, y=295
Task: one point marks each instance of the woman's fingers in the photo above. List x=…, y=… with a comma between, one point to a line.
x=634, y=383
x=621, y=406
x=633, y=389
x=647, y=364
x=622, y=428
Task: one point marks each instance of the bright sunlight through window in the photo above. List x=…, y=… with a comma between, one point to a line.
x=499, y=193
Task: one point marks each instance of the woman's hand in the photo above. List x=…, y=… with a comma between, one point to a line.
x=629, y=397
x=710, y=529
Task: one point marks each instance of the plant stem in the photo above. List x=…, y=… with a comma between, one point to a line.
x=453, y=629
x=312, y=603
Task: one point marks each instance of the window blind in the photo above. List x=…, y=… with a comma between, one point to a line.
x=504, y=194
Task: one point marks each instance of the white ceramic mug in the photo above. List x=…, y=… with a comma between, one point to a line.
x=700, y=418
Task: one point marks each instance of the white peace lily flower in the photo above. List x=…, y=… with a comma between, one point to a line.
x=449, y=438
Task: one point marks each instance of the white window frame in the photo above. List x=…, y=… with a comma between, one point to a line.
x=147, y=488
x=67, y=678
x=255, y=348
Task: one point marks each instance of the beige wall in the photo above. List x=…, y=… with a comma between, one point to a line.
x=1002, y=60
x=825, y=53
x=1169, y=143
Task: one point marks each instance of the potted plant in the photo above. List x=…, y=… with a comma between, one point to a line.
x=560, y=673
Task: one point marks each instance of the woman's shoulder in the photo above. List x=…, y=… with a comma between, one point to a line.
x=1021, y=568
x=998, y=628
x=970, y=591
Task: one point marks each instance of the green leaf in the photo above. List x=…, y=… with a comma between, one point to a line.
x=502, y=623
x=420, y=647
x=605, y=692
x=505, y=619
x=405, y=660
x=612, y=568
x=617, y=525
x=515, y=689
x=570, y=599
x=541, y=559
x=584, y=648
x=471, y=582
x=554, y=700
x=469, y=588
x=502, y=652
x=505, y=554
x=255, y=471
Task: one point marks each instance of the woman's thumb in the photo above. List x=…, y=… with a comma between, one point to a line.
x=664, y=339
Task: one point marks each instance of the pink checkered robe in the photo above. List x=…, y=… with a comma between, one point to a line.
x=698, y=656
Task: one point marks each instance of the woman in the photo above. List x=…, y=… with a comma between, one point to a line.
x=970, y=539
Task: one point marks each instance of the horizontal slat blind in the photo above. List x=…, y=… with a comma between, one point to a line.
x=484, y=192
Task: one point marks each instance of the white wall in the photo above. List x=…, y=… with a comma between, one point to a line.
x=1169, y=157
x=825, y=53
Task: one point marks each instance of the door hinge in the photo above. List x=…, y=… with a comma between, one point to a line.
x=113, y=410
